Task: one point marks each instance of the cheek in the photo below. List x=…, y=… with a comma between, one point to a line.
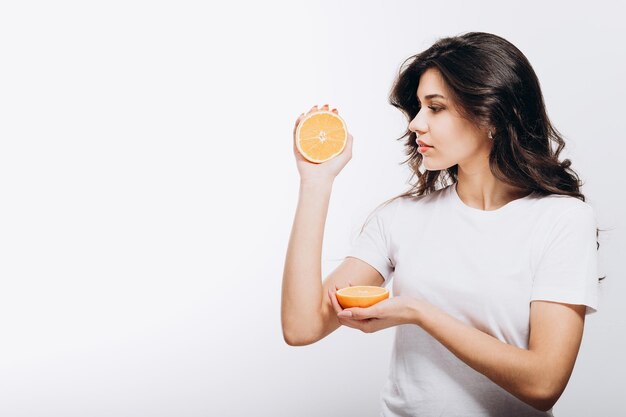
x=453, y=137
x=443, y=130
x=452, y=146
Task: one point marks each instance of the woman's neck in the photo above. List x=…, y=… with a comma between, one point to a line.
x=481, y=190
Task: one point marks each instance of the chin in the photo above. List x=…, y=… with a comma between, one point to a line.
x=430, y=166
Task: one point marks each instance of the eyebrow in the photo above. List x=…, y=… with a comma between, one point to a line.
x=428, y=97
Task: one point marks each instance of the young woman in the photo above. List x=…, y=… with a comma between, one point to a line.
x=492, y=252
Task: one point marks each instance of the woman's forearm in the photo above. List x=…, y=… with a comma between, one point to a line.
x=519, y=371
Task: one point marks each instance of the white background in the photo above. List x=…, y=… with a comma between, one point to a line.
x=148, y=188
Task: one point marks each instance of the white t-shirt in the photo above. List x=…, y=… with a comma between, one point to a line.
x=483, y=268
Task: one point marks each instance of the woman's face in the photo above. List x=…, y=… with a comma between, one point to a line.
x=454, y=140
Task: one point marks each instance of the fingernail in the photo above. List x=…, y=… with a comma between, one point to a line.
x=345, y=314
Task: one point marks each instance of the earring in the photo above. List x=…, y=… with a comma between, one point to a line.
x=490, y=135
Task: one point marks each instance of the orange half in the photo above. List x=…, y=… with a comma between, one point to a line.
x=361, y=296
x=321, y=136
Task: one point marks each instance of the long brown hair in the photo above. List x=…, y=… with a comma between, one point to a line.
x=492, y=84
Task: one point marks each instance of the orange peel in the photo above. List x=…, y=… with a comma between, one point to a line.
x=361, y=296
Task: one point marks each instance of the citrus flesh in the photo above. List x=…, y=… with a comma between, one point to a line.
x=321, y=136
x=361, y=296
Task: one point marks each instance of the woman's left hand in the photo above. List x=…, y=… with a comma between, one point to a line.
x=387, y=313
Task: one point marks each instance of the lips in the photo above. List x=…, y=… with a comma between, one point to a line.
x=424, y=149
x=423, y=144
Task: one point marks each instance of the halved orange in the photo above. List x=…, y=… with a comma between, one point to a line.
x=361, y=296
x=321, y=136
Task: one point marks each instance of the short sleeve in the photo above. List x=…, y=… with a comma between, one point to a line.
x=567, y=271
x=372, y=245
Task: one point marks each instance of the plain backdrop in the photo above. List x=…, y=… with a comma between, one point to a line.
x=148, y=189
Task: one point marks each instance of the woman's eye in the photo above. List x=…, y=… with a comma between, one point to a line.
x=434, y=109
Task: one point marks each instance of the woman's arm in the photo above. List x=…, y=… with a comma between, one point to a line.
x=537, y=375
x=302, y=290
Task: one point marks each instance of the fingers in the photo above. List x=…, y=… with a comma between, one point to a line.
x=333, y=301
x=349, y=143
x=295, y=128
x=343, y=319
x=333, y=298
x=325, y=107
x=298, y=120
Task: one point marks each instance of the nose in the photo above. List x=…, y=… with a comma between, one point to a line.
x=418, y=125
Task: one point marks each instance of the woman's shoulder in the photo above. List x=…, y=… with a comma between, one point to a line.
x=552, y=208
x=560, y=203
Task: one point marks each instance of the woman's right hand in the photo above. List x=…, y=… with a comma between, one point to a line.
x=326, y=170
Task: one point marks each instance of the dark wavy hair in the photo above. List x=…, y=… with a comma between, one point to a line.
x=492, y=84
